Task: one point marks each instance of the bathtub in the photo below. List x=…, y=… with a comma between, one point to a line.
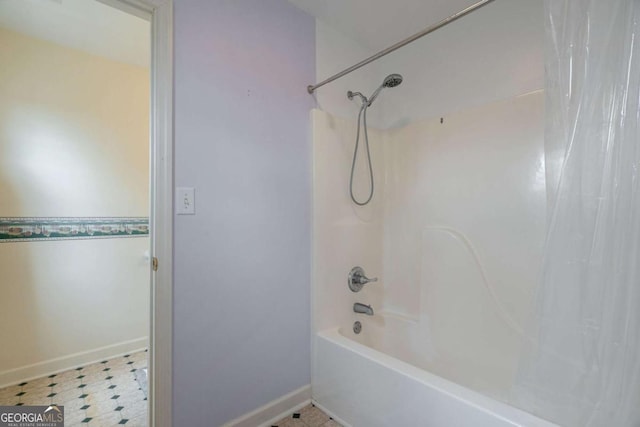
x=362, y=386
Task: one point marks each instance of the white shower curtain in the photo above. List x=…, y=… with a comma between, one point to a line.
x=583, y=365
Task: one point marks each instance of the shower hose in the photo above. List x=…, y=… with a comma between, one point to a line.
x=362, y=116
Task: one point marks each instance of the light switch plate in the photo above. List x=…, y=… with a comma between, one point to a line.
x=185, y=201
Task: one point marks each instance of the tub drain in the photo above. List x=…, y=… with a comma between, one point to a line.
x=357, y=327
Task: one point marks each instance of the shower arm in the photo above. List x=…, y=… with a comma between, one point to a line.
x=468, y=10
x=363, y=98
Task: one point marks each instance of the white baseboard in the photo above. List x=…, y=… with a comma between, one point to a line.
x=274, y=411
x=64, y=363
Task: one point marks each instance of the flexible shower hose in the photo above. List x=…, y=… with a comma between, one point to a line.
x=362, y=115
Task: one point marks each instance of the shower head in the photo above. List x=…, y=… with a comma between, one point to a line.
x=392, y=80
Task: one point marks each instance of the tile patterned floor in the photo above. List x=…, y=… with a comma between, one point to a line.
x=105, y=394
x=309, y=416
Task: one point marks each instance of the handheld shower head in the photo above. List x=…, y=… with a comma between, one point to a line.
x=392, y=80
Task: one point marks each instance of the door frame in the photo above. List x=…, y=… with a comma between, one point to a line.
x=160, y=14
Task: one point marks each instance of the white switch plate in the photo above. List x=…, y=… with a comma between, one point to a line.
x=185, y=201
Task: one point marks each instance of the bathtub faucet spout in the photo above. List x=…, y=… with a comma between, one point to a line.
x=363, y=309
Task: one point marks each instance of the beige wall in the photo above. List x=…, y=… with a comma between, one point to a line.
x=73, y=132
x=73, y=143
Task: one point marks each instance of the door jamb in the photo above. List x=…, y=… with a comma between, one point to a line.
x=160, y=14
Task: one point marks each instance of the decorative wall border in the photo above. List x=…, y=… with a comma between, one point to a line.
x=25, y=229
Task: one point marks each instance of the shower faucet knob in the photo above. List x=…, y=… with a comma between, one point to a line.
x=358, y=278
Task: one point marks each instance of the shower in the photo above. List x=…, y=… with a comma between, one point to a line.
x=392, y=80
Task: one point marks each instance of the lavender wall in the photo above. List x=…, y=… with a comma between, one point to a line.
x=241, y=300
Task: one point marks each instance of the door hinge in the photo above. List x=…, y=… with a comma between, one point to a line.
x=154, y=264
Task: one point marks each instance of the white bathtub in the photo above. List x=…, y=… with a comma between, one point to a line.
x=364, y=387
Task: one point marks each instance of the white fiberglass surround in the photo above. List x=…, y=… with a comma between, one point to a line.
x=455, y=234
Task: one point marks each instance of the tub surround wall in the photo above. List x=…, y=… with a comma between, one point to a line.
x=478, y=176
x=455, y=234
x=345, y=235
x=243, y=262
x=456, y=227
x=74, y=142
x=464, y=229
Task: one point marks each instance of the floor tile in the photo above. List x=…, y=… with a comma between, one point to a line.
x=126, y=388
x=35, y=400
x=94, y=374
x=74, y=419
x=97, y=387
x=72, y=405
x=40, y=392
x=66, y=376
x=37, y=383
x=65, y=385
x=139, y=364
x=313, y=416
x=141, y=355
x=121, y=369
x=309, y=416
x=135, y=410
x=68, y=395
x=119, y=361
x=107, y=420
x=102, y=407
x=93, y=402
x=291, y=422
x=8, y=395
x=137, y=422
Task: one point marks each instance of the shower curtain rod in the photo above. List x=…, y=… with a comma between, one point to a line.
x=478, y=5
